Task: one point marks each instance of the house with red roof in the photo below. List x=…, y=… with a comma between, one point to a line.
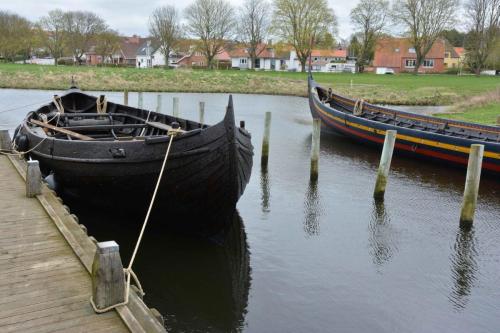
x=398, y=54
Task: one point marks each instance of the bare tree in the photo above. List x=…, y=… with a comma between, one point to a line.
x=81, y=28
x=254, y=24
x=212, y=21
x=52, y=33
x=425, y=20
x=369, y=17
x=484, y=24
x=300, y=21
x=165, y=27
x=17, y=36
x=107, y=43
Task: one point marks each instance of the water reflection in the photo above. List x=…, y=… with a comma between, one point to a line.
x=463, y=267
x=266, y=194
x=312, y=210
x=383, y=237
x=197, y=284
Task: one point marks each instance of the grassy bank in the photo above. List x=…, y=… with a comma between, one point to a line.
x=486, y=114
x=385, y=89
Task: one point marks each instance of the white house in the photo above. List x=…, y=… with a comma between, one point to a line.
x=149, y=55
x=267, y=59
x=325, y=61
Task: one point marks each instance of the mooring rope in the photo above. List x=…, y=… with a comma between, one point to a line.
x=14, y=152
x=128, y=271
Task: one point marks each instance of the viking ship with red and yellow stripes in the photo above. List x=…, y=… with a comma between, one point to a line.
x=442, y=140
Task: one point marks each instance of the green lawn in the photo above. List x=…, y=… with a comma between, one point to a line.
x=406, y=89
x=487, y=114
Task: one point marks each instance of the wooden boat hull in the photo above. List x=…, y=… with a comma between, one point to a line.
x=207, y=171
x=414, y=142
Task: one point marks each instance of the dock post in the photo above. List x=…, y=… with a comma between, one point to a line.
x=125, y=97
x=385, y=164
x=33, y=179
x=108, y=278
x=139, y=100
x=5, y=142
x=265, y=141
x=471, y=184
x=316, y=134
x=158, y=103
x=202, y=113
x=175, y=111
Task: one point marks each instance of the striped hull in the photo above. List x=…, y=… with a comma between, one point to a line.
x=417, y=143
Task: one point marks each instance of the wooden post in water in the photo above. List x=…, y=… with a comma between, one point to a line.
x=175, y=109
x=265, y=141
x=33, y=179
x=139, y=100
x=158, y=103
x=125, y=97
x=5, y=142
x=108, y=278
x=316, y=134
x=471, y=184
x=385, y=164
x=202, y=113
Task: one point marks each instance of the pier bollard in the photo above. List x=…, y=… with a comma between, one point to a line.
x=158, y=103
x=139, y=100
x=265, y=141
x=108, y=278
x=33, y=179
x=316, y=134
x=471, y=184
x=385, y=164
x=202, y=113
x=125, y=97
x=5, y=142
x=175, y=111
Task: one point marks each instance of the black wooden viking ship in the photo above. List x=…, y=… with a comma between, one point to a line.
x=432, y=138
x=114, y=151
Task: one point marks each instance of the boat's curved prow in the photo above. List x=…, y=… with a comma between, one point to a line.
x=229, y=117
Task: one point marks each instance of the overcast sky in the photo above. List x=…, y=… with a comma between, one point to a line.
x=131, y=16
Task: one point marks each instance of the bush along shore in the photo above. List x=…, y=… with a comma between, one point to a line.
x=402, y=89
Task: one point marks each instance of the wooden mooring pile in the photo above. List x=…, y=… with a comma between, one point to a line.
x=50, y=268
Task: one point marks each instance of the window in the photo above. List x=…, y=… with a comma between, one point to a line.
x=411, y=50
x=429, y=63
x=396, y=50
x=243, y=60
x=410, y=63
x=315, y=58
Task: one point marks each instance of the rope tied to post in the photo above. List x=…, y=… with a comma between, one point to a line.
x=129, y=273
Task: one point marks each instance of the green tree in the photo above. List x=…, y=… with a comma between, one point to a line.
x=106, y=44
x=300, y=22
x=325, y=41
x=52, y=33
x=165, y=27
x=425, y=21
x=17, y=36
x=369, y=17
x=212, y=21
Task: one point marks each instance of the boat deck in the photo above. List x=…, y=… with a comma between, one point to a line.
x=44, y=287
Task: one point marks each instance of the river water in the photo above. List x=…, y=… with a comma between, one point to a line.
x=315, y=258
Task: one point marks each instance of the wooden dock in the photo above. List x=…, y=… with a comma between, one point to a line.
x=45, y=261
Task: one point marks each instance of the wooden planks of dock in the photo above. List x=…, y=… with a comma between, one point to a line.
x=44, y=287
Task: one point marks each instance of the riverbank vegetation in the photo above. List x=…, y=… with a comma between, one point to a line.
x=402, y=89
